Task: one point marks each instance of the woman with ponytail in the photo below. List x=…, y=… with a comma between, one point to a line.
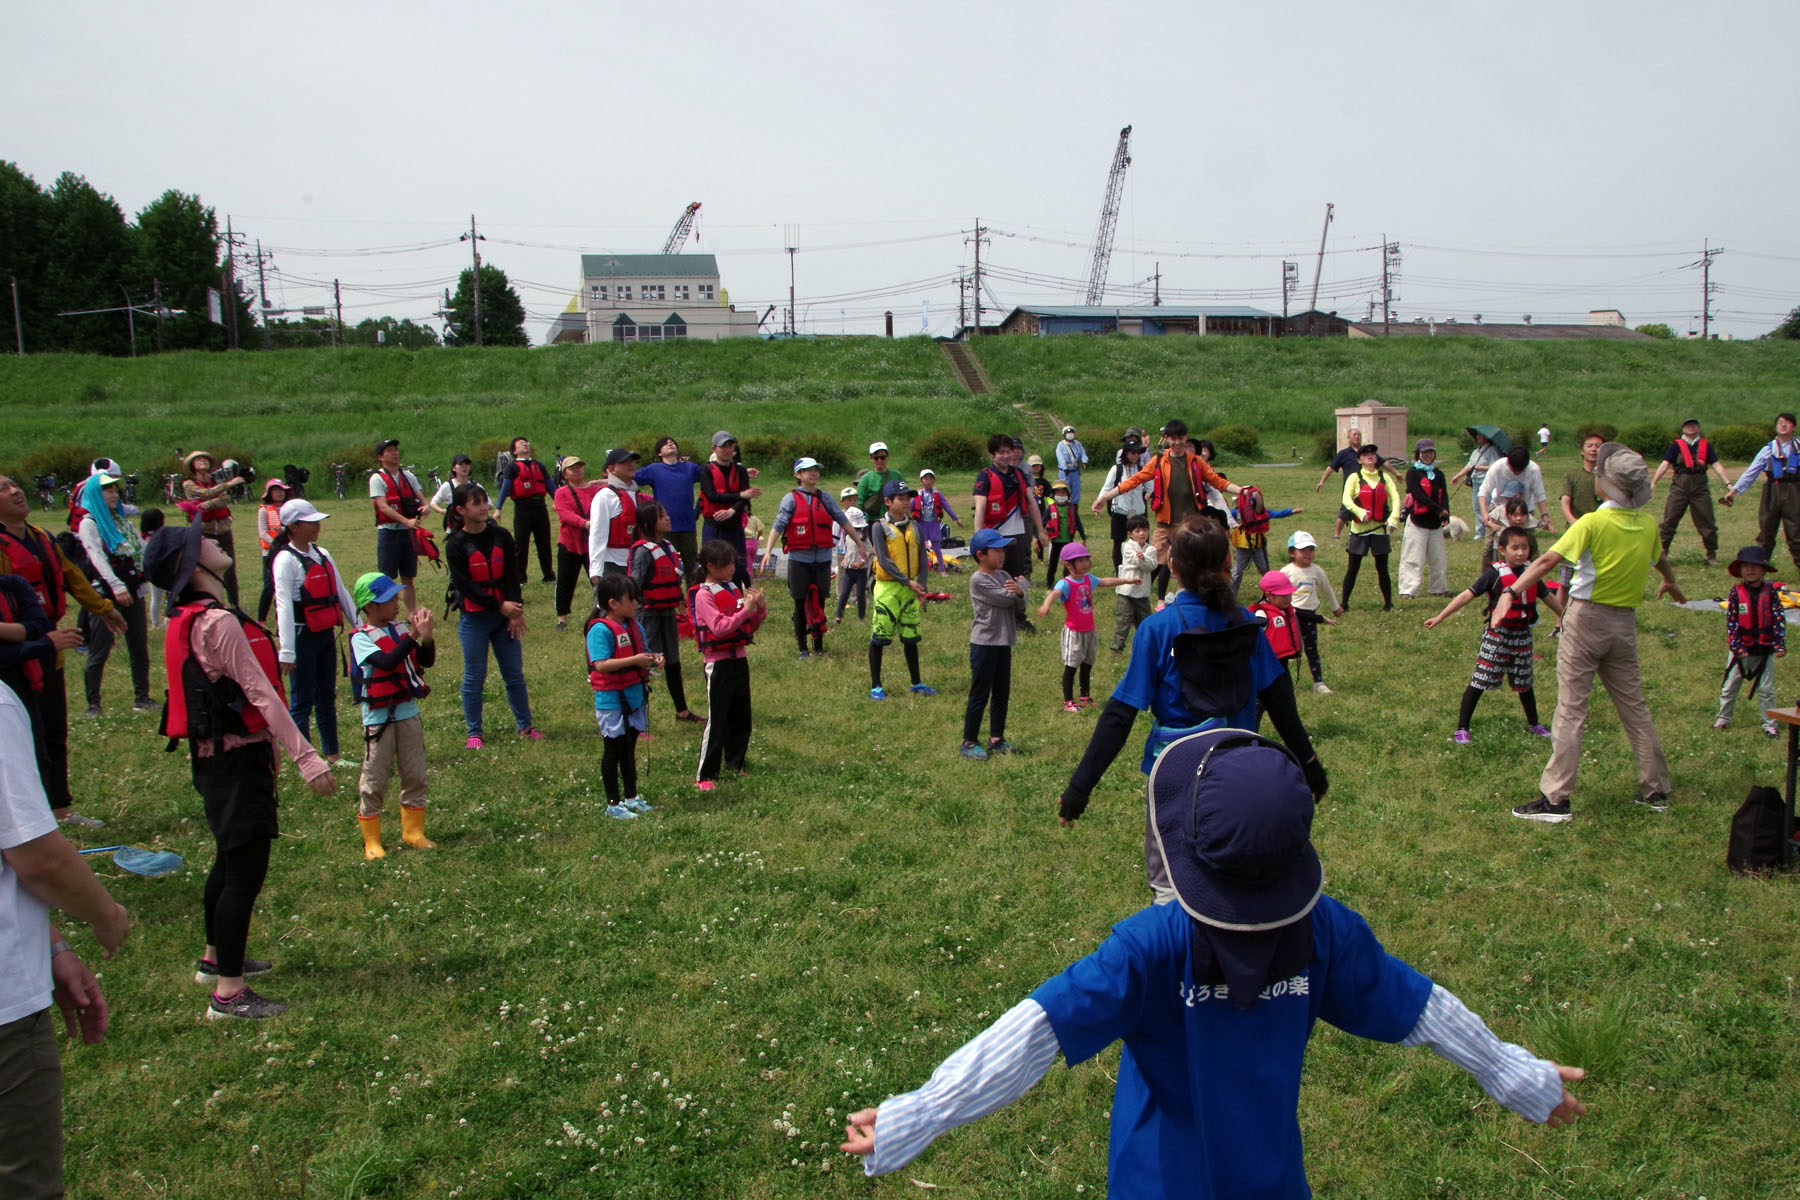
x=1199, y=553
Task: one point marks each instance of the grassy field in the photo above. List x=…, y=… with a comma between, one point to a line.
x=689, y=1004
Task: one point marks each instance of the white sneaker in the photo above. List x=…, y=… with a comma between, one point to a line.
x=1321, y=689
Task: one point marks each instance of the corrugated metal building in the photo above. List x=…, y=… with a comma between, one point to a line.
x=1139, y=321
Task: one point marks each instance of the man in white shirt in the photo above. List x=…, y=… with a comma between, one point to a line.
x=612, y=518
x=1514, y=475
x=40, y=870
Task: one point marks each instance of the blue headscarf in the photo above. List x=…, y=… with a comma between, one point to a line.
x=1429, y=469
x=116, y=535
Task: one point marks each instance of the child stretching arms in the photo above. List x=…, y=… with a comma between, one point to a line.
x=725, y=618
x=1505, y=650
x=1075, y=591
x=619, y=673
x=1310, y=585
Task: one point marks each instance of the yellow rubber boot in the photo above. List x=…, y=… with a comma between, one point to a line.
x=412, y=828
x=371, y=827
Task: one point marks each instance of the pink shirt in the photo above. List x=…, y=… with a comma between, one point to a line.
x=708, y=616
x=572, y=504
x=1077, y=595
x=222, y=649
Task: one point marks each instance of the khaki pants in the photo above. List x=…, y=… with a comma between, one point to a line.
x=401, y=742
x=1600, y=640
x=1422, y=555
x=31, y=1141
x=1689, y=494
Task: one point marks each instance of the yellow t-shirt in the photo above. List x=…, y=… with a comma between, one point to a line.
x=1612, y=548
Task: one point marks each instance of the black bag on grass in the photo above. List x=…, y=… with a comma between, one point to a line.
x=1754, y=843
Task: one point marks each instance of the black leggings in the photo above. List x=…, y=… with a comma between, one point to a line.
x=531, y=518
x=230, y=897
x=1471, y=696
x=268, y=592
x=1069, y=681
x=910, y=649
x=1119, y=538
x=571, y=569
x=801, y=578
x=853, y=579
x=618, y=761
x=1381, y=577
x=1309, y=641
x=990, y=687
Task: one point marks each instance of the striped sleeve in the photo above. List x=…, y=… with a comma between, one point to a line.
x=1527, y=1085
x=993, y=1069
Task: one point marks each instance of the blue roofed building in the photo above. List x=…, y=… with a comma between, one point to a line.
x=1147, y=320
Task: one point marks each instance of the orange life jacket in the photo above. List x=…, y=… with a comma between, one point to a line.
x=809, y=527
x=317, y=607
x=197, y=707
x=486, y=571
x=627, y=641
x=530, y=482
x=663, y=589
x=269, y=527
x=1159, y=483
x=37, y=561
x=1757, y=616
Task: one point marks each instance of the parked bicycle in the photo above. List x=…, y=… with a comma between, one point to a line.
x=337, y=475
x=46, y=490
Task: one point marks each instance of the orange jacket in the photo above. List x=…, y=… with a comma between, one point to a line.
x=1159, y=468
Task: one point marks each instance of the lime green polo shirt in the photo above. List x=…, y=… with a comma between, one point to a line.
x=1612, y=549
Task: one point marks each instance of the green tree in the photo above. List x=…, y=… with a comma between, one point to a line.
x=403, y=334
x=92, y=262
x=1656, y=329
x=1789, y=328
x=24, y=214
x=502, y=313
x=307, y=333
x=178, y=250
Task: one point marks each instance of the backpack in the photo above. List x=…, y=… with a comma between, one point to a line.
x=75, y=552
x=1754, y=843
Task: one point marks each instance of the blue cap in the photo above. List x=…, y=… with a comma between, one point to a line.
x=896, y=487
x=987, y=539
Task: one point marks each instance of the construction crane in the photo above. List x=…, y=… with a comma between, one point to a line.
x=683, y=227
x=1109, y=219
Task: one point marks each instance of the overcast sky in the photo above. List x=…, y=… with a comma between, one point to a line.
x=1543, y=158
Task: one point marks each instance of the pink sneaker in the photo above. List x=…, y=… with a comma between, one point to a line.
x=534, y=734
x=1071, y=706
x=642, y=737
x=705, y=785
x=474, y=743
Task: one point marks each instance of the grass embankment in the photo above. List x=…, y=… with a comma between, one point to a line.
x=688, y=1004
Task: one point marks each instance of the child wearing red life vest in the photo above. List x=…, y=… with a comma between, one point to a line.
x=929, y=508
x=1249, y=532
x=391, y=656
x=657, y=571
x=619, y=672
x=1063, y=523
x=1080, y=643
x=1755, y=636
x=1505, y=651
x=311, y=604
x=725, y=619
x=1276, y=610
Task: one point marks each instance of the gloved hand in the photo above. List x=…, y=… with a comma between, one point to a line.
x=1314, y=770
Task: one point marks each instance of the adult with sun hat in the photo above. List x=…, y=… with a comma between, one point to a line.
x=1215, y=997
x=211, y=498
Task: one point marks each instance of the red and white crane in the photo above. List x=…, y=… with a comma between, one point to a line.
x=1109, y=220
x=683, y=227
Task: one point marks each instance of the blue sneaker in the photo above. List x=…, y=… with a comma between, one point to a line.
x=877, y=693
x=919, y=689
x=619, y=812
x=971, y=750
x=637, y=804
x=1002, y=747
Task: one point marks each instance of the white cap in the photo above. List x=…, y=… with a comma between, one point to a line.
x=300, y=510
x=805, y=464
x=927, y=471
x=856, y=518
x=846, y=493
x=877, y=447
x=1301, y=540
x=106, y=466
x=1068, y=429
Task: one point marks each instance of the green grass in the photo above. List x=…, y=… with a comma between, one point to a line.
x=512, y=1012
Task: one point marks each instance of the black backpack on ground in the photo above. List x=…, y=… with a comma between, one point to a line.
x=1755, y=842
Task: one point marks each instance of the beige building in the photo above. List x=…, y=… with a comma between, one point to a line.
x=653, y=298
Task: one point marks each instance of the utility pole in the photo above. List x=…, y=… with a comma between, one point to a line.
x=793, y=315
x=337, y=331
x=130, y=320
x=1707, y=286
x=156, y=293
x=18, y=322
x=1290, y=279
x=1390, y=267
x=962, y=304
x=1156, y=288
x=262, y=290
x=472, y=238
x=1312, y=305
x=980, y=232
x=231, y=296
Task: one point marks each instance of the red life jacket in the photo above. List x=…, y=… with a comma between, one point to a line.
x=622, y=529
x=1757, y=616
x=76, y=512
x=401, y=497
x=1053, y=524
x=530, y=482
x=486, y=571
x=1372, y=498
x=37, y=561
x=627, y=641
x=726, y=598
x=726, y=480
x=1002, y=494
x=809, y=528
x=1281, y=628
x=663, y=589
x=197, y=707
x=32, y=668
x=317, y=607
x=393, y=686
x=1524, y=610
x=1159, y=482
x=1693, y=458
x=1436, y=491
x=1253, y=519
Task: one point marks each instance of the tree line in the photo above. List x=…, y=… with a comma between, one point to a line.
x=70, y=249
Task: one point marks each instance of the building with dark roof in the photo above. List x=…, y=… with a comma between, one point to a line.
x=1148, y=320
x=1488, y=329
x=651, y=298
